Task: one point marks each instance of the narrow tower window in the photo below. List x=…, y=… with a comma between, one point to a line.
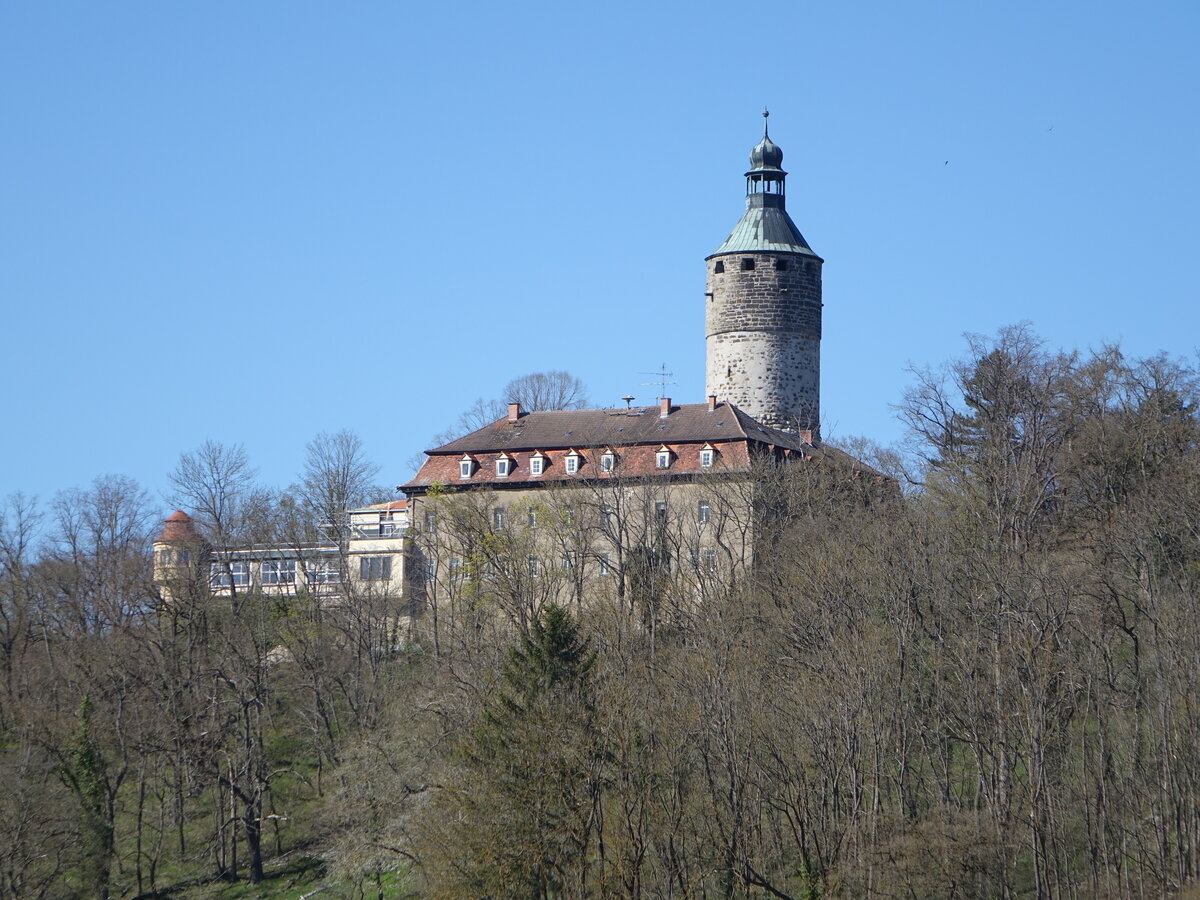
x=781, y=265
x=747, y=264
x=719, y=268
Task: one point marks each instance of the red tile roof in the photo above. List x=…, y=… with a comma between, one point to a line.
x=562, y=429
x=389, y=505
x=178, y=527
x=635, y=434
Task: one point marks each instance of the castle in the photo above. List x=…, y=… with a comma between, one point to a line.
x=622, y=493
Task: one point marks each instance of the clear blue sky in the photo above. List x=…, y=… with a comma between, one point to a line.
x=252, y=222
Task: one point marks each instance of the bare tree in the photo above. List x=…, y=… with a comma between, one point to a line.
x=337, y=476
x=539, y=391
x=214, y=482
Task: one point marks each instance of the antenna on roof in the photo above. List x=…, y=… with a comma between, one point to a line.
x=662, y=382
x=628, y=398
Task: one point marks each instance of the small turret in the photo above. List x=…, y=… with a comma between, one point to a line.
x=179, y=554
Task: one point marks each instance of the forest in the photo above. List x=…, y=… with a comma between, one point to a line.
x=976, y=674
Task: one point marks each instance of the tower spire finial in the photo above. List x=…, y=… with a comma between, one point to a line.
x=766, y=115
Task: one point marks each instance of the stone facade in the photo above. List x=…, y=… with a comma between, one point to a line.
x=763, y=330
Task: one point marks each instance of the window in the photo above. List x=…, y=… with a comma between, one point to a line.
x=719, y=268
x=503, y=467
x=781, y=265
x=662, y=459
x=183, y=557
x=375, y=568
x=706, y=457
x=567, y=562
x=535, y=465
x=572, y=463
x=387, y=526
x=747, y=264
x=430, y=521
x=608, y=461
x=703, y=512
x=456, y=570
x=499, y=516
x=322, y=573
x=531, y=566
x=605, y=568
x=532, y=521
x=279, y=571
x=660, y=511
x=606, y=512
x=466, y=467
x=234, y=574
x=708, y=559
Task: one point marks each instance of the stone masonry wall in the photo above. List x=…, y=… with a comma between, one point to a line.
x=763, y=328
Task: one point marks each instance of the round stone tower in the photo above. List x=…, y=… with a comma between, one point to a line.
x=763, y=308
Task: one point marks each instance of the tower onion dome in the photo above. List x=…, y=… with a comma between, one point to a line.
x=766, y=154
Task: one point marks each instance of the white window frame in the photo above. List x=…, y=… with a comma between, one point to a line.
x=662, y=459
x=608, y=462
x=499, y=517
x=572, y=463
x=322, y=573
x=535, y=465
x=531, y=566
x=708, y=559
x=605, y=565
x=706, y=458
x=503, y=467
x=278, y=572
x=703, y=512
x=232, y=574
x=466, y=468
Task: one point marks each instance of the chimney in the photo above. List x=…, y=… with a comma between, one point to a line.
x=712, y=402
x=514, y=413
x=664, y=407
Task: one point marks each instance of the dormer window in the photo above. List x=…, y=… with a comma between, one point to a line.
x=503, y=466
x=608, y=461
x=537, y=464
x=466, y=467
x=662, y=459
x=707, y=454
x=571, y=462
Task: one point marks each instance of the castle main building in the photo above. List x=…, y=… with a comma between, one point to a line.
x=545, y=504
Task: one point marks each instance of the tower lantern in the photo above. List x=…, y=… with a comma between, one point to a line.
x=763, y=308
